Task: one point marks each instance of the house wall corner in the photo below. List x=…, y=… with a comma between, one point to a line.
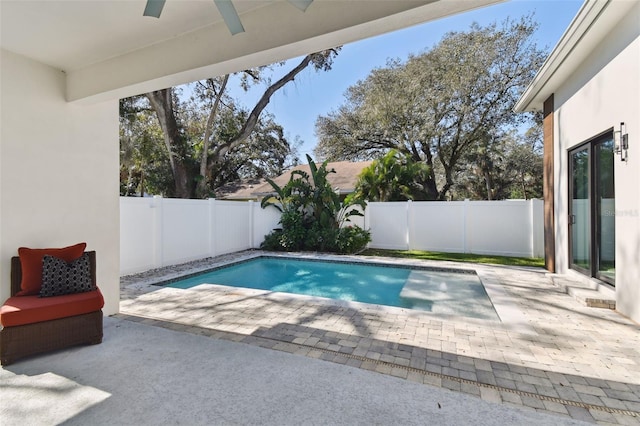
x=58, y=171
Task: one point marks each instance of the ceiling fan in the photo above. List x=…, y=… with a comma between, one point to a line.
x=226, y=8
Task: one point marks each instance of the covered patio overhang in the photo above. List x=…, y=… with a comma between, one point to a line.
x=108, y=49
x=65, y=64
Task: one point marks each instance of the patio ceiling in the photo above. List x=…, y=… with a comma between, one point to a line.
x=109, y=50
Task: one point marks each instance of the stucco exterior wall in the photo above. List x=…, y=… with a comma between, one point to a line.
x=604, y=91
x=58, y=171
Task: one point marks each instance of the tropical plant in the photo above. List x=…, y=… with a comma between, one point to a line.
x=394, y=177
x=313, y=216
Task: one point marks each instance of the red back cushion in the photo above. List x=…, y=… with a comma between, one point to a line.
x=31, y=265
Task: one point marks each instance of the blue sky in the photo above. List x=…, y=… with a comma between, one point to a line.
x=298, y=104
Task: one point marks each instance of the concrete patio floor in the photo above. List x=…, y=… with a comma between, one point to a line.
x=200, y=356
x=146, y=375
x=549, y=353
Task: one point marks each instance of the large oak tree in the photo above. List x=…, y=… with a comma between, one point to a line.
x=197, y=181
x=145, y=162
x=437, y=106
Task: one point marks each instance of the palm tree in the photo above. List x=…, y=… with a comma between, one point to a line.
x=394, y=177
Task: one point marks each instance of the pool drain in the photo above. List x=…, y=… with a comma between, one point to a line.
x=479, y=384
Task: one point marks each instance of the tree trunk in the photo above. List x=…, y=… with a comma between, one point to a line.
x=162, y=103
x=142, y=182
x=430, y=186
x=201, y=190
x=487, y=181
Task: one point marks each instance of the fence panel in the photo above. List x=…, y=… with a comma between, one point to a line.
x=388, y=225
x=264, y=221
x=499, y=228
x=509, y=228
x=537, y=227
x=156, y=232
x=185, y=228
x=232, y=227
x=437, y=226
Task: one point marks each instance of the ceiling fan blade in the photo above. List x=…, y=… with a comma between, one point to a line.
x=154, y=8
x=301, y=4
x=230, y=16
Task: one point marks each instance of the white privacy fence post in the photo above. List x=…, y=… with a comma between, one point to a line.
x=530, y=225
x=367, y=221
x=537, y=228
x=408, y=228
x=157, y=205
x=212, y=227
x=465, y=228
x=251, y=223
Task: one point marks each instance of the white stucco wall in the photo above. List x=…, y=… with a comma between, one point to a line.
x=604, y=91
x=58, y=171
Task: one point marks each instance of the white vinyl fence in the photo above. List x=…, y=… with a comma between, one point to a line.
x=156, y=232
x=507, y=228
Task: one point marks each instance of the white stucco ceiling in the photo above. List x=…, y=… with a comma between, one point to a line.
x=108, y=49
x=73, y=34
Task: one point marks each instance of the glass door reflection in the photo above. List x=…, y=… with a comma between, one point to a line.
x=579, y=211
x=605, y=210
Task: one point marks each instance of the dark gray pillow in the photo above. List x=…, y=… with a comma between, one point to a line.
x=60, y=277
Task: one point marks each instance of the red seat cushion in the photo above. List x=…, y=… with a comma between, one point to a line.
x=21, y=310
x=31, y=265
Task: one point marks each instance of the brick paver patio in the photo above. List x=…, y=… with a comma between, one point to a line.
x=549, y=353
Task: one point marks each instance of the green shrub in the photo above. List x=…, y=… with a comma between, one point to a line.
x=352, y=239
x=313, y=215
x=291, y=237
x=272, y=241
x=321, y=239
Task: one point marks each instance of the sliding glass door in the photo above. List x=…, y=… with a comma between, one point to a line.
x=605, y=208
x=579, y=210
x=592, y=208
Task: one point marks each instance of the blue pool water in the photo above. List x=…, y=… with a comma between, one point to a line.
x=459, y=294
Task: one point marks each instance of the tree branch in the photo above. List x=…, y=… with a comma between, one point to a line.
x=249, y=125
x=207, y=135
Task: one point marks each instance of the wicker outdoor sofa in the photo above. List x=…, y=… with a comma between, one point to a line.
x=33, y=324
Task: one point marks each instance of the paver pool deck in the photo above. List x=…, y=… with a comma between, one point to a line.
x=549, y=353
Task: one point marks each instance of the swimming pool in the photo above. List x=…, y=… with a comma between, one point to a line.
x=448, y=292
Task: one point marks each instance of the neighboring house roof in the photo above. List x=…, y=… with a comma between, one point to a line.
x=594, y=20
x=241, y=190
x=344, y=180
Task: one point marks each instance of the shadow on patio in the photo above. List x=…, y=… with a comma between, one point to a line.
x=566, y=359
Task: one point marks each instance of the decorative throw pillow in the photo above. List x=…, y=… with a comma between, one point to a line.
x=31, y=265
x=60, y=277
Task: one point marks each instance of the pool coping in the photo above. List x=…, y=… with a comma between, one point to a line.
x=510, y=315
x=314, y=258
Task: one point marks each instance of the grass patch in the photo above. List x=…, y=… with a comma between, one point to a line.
x=457, y=257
